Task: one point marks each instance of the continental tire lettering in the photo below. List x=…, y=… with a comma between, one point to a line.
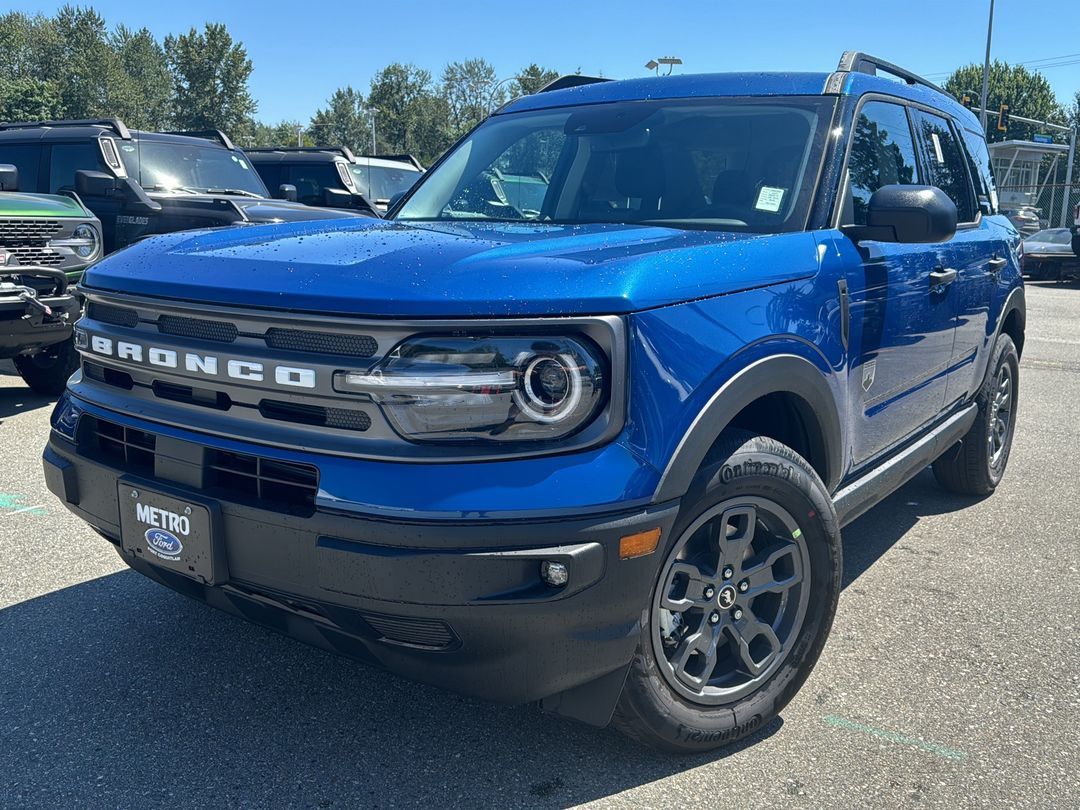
x=730, y=472
x=725, y=735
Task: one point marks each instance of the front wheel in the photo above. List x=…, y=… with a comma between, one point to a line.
x=47, y=371
x=743, y=602
x=976, y=464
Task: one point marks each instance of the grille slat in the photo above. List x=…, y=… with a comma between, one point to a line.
x=27, y=231
x=278, y=485
x=32, y=254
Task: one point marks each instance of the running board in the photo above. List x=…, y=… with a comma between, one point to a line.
x=860, y=495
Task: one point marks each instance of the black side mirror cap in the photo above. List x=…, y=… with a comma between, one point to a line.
x=287, y=191
x=907, y=215
x=9, y=177
x=337, y=198
x=94, y=184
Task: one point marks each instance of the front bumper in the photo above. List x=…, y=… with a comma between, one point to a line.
x=22, y=329
x=456, y=603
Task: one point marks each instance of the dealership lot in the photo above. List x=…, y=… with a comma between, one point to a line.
x=952, y=677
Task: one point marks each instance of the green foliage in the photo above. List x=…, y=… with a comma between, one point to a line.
x=143, y=96
x=210, y=75
x=470, y=91
x=531, y=79
x=409, y=116
x=26, y=99
x=1027, y=94
x=343, y=122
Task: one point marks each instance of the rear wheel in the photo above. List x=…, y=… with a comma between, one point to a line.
x=743, y=602
x=976, y=464
x=47, y=371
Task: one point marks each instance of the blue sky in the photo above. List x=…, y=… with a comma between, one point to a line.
x=301, y=53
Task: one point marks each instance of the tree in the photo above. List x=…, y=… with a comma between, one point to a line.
x=282, y=133
x=1027, y=94
x=86, y=69
x=210, y=74
x=468, y=89
x=344, y=121
x=27, y=99
x=531, y=79
x=143, y=95
x=409, y=117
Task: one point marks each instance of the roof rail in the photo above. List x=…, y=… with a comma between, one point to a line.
x=859, y=62
x=571, y=80
x=115, y=124
x=344, y=151
x=400, y=158
x=207, y=134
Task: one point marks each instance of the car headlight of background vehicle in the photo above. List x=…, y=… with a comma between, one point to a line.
x=486, y=388
x=84, y=241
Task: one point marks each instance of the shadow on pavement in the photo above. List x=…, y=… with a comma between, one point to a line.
x=119, y=692
x=16, y=398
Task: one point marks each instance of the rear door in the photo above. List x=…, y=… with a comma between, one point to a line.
x=976, y=253
x=902, y=325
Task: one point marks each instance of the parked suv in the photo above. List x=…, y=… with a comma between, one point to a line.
x=46, y=242
x=144, y=183
x=333, y=176
x=593, y=449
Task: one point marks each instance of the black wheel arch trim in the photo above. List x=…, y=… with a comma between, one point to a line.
x=1016, y=301
x=784, y=373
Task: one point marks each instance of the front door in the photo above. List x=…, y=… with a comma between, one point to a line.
x=902, y=320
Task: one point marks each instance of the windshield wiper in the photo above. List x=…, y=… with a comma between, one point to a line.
x=185, y=189
x=238, y=191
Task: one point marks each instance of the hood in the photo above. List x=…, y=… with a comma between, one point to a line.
x=386, y=269
x=18, y=204
x=256, y=209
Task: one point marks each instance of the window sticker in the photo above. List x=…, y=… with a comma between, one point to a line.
x=769, y=199
x=937, y=148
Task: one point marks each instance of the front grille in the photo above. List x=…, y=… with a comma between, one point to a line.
x=263, y=479
x=131, y=449
x=409, y=630
x=27, y=231
x=343, y=418
x=302, y=340
x=218, y=331
x=276, y=485
x=32, y=254
x=117, y=316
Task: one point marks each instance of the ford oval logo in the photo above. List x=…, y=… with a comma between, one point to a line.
x=163, y=543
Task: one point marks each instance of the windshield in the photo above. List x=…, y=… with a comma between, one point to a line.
x=726, y=164
x=383, y=182
x=193, y=168
x=1053, y=237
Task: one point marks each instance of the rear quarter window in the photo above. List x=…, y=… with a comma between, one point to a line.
x=982, y=171
x=945, y=161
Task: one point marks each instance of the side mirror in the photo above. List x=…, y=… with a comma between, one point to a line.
x=94, y=184
x=336, y=198
x=908, y=215
x=287, y=191
x=9, y=177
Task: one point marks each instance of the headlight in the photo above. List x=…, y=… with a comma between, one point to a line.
x=485, y=389
x=84, y=240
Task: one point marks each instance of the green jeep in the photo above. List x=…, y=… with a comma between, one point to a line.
x=46, y=242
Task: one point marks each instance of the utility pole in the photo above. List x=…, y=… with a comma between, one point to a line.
x=372, y=114
x=299, y=135
x=1068, y=180
x=986, y=65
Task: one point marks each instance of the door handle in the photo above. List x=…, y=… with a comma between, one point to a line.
x=997, y=264
x=942, y=277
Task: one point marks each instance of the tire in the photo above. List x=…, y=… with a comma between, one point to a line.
x=779, y=527
x=975, y=465
x=47, y=371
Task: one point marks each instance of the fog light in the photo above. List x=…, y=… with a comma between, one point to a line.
x=554, y=574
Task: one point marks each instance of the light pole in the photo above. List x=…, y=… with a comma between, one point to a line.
x=986, y=66
x=670, y=61
x=495, y=88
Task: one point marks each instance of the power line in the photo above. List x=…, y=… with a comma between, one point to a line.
x=1037, y=64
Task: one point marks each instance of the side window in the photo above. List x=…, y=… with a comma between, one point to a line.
x=271, y=176
x=982, y=171
x=945, y=162
x=310, y=179
x=25, y=158
x=882, y=154
x=67, y=158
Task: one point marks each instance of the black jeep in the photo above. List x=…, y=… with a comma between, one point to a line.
x=144, y=183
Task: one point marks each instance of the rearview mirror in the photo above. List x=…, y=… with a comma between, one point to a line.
x=908, y=215
x=287, y=191
x=9, y=177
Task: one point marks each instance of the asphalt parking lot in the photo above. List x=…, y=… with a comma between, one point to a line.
x=952, y=677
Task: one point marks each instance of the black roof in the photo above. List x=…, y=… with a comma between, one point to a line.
x=78, y=130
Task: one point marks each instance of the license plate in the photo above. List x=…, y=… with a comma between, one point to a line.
x=170, y=531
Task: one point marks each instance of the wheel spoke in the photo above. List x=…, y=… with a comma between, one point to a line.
x=694, y=593
x=735, y=532
x=699, y=645
x=761, y=577
x=744, y=632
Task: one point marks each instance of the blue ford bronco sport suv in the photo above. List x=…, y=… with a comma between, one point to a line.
x=594, y=449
